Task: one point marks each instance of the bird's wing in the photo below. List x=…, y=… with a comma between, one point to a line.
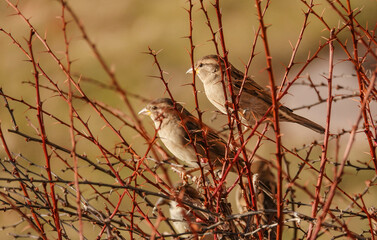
x=192, y=196
x=253, y=88
x=201, y=134
x=206, y=140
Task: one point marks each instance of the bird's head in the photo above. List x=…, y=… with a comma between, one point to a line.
x=208, y=68
x=164, y=109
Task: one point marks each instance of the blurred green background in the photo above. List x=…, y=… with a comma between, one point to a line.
x=123, y=31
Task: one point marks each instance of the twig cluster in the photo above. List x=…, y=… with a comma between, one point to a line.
x=109, y=190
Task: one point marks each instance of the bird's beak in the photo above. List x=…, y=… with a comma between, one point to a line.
x=190, y=71
x=145, y=111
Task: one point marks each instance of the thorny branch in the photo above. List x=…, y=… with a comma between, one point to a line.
x=111, y=186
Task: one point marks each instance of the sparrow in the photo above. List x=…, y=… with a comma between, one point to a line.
x=186, y=137
x=195, y=143
x=254, y=100
x=264, y=187
x=183, y=216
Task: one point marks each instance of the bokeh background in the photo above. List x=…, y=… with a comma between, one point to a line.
x=123, y=31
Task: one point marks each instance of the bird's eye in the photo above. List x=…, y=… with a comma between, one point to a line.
x=201, y=65
x=154, y=107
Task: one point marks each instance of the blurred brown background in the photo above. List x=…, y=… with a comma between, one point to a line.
x=123, y=30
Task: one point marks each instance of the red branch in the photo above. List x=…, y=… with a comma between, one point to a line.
x=275, y=108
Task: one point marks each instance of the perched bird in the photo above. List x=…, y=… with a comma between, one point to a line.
x=264, y=186
x=187, y=213
x=254, y=100
x=185, y=137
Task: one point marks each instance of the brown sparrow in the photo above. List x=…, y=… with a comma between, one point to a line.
x=254, y=100
x=184, y=136
x=187, y=139
x=184, y=218
x=264, y=188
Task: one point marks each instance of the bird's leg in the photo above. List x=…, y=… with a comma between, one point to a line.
x=199, y=180
x=186, y=175
x=182, y=174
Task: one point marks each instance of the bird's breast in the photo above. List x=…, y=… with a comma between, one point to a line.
x=174, y=139
x=215, y=94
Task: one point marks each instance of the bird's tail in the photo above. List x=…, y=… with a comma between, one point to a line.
x=291, y=117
